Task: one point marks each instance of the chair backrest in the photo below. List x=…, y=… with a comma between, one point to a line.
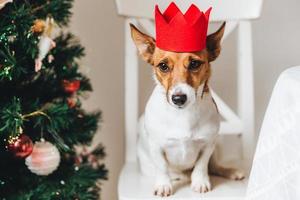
x=222, y=9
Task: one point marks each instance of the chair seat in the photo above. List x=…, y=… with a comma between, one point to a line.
x=134, y=186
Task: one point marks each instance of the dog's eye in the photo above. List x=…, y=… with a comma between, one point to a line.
x=163, y=67
x=194, y=65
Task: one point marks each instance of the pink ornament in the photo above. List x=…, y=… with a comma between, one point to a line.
x=44, y=159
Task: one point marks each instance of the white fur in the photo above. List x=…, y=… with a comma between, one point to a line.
x=173, y=140
x=183, y=88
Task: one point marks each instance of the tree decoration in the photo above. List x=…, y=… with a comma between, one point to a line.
x=46, y=43
x=50, y=58
x=44, y=159
x=90, y=156
x=5, y=72
x=72, y=101
x=4, y=2
x=20, y=146
x=11, y=38
x=38, y=26
x=71, y=86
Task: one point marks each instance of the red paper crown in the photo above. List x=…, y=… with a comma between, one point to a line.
x=180, y=32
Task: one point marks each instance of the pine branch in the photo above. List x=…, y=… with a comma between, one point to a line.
x=11, y=118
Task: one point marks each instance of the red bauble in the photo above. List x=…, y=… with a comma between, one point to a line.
x=71, y=102
x=21, y=147
x=71, y=86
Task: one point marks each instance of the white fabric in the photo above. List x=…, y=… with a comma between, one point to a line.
x=275, y=173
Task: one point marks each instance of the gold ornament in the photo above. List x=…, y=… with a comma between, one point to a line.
x=38, y=26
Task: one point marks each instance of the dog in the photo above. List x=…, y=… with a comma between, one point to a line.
x=179, y=129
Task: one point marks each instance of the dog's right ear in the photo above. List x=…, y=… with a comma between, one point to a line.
x=144, y=43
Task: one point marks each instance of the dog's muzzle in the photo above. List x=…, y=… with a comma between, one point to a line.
x=181, y=95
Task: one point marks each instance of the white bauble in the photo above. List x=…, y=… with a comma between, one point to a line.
x=44, y=159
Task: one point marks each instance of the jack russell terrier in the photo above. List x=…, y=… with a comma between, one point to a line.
x=178, y=131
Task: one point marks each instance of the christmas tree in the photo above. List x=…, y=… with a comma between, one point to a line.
x=45, y=135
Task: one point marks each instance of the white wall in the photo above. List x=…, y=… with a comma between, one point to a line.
x=276, y=47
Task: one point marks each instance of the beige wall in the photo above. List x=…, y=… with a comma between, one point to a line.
x=276, y=47
x=101, y=32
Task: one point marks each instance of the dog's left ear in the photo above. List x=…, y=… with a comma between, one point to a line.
x=213, y=43
x=144, y=43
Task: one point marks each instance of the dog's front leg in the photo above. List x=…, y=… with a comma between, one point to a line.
x=163, y=186
x=200, y=178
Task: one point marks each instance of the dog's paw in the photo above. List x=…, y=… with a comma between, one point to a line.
x=236, y=174
x=163, y=189
x=201, y=185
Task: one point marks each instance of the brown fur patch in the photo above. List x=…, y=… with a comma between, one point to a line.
x=178, y=68
x=205, y=89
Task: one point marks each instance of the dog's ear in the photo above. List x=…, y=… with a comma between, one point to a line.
x=144, y=43
x=213, y=43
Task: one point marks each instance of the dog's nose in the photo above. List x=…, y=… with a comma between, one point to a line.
x=179, y=99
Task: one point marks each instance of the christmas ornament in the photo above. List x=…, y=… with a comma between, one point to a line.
x=46, y=42
x=71, y=101
x=11, y=38
x=89, y=156
x=38, y=26
x=21, y=146
x=50, y=58
x=180, y=32
x=4, y=2
x=71, y=86
x=44, y=159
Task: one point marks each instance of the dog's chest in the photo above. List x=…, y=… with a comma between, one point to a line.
x=183, y=153
x=163, y=122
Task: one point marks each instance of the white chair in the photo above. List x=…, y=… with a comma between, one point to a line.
x=238, y=14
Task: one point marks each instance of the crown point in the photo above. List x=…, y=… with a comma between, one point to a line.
x=179, y=18
x=192, y=14
x=157, y=9
x=159, y=18
x=171, y=10
x=193, y=6
x=207, y=13
x=172, y=5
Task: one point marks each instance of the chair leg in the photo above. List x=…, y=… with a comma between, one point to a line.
x=246, y=88
x=131, y=93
